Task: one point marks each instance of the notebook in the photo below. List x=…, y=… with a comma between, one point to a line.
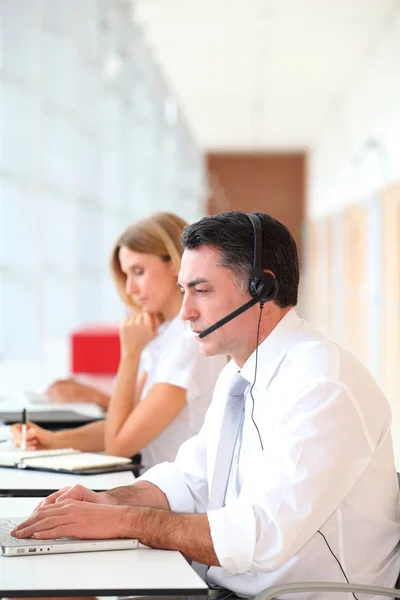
x=65, y=460
x=10, y=546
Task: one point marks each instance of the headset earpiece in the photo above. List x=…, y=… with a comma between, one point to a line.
x=264, y=288
x=262, y=284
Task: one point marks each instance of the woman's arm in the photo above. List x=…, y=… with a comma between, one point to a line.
x=135, y=334
x=122, y=400
x=139, y=388
x=146, y=421
x=132, y=423
x=88, y=438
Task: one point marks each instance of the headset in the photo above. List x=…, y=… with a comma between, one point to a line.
x=263, y=286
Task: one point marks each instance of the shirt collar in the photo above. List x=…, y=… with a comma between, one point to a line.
x=272, y=350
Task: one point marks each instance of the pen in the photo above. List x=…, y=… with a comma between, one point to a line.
x=23, y=428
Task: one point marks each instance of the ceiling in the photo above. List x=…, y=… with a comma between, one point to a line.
x=260, y=74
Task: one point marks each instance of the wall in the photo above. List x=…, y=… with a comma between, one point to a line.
x=273, y=183
x=351, y=239
x=90, y=139
x=358, y=149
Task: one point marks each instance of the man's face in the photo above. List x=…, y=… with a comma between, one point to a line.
x=210, y=292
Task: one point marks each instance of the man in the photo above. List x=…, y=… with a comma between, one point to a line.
x=310, y=491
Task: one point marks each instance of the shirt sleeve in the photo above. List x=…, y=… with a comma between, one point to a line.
x=320, y=449
x=144, y=362
x=173, y=482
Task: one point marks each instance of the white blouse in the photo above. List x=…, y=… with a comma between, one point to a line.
x=174, y=357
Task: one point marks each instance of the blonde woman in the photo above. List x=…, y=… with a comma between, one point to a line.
x=163, y=385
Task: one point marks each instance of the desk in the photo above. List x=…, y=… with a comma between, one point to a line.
x=17, y=482
x=50, y=419
x=120, y=572
x=40, y=403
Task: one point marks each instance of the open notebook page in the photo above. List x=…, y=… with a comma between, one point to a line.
x=14, y=456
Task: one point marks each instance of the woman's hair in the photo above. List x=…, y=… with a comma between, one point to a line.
x=159, y=235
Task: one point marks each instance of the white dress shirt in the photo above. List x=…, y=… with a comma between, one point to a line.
x=327, y=469
x=173, y=357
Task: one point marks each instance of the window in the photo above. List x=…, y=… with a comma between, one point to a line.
x=86, y=146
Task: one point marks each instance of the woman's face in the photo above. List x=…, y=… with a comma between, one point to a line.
x=150, y=281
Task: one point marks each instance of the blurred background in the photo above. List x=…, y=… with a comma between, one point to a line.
x=113, y=109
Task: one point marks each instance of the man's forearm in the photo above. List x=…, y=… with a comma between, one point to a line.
x=166, y=530
x=141, y=493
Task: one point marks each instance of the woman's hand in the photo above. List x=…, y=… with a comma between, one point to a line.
x=137, y=331
x=68, y=390
x=37, y=438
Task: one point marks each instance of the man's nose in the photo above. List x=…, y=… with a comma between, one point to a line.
x=188, y=310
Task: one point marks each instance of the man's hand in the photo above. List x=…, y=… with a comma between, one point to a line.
x=78, y=493
x=73, y=518
x=155, y=527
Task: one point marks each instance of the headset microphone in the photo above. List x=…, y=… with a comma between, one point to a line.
x=229, y=317
x=263, y=286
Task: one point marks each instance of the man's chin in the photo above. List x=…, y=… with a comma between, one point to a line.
x=207, y=348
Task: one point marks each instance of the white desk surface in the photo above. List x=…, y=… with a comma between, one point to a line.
x=17, y=482
x=121, y=572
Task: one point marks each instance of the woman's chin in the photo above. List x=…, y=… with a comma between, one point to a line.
x=147, y=307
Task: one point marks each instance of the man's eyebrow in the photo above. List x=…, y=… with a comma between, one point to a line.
x=194, y=282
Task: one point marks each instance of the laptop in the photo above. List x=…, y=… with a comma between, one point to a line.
x=10, y=546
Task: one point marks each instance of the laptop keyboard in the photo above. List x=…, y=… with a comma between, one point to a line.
x=6, y=525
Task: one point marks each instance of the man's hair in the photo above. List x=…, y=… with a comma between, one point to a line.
x=232, y=235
